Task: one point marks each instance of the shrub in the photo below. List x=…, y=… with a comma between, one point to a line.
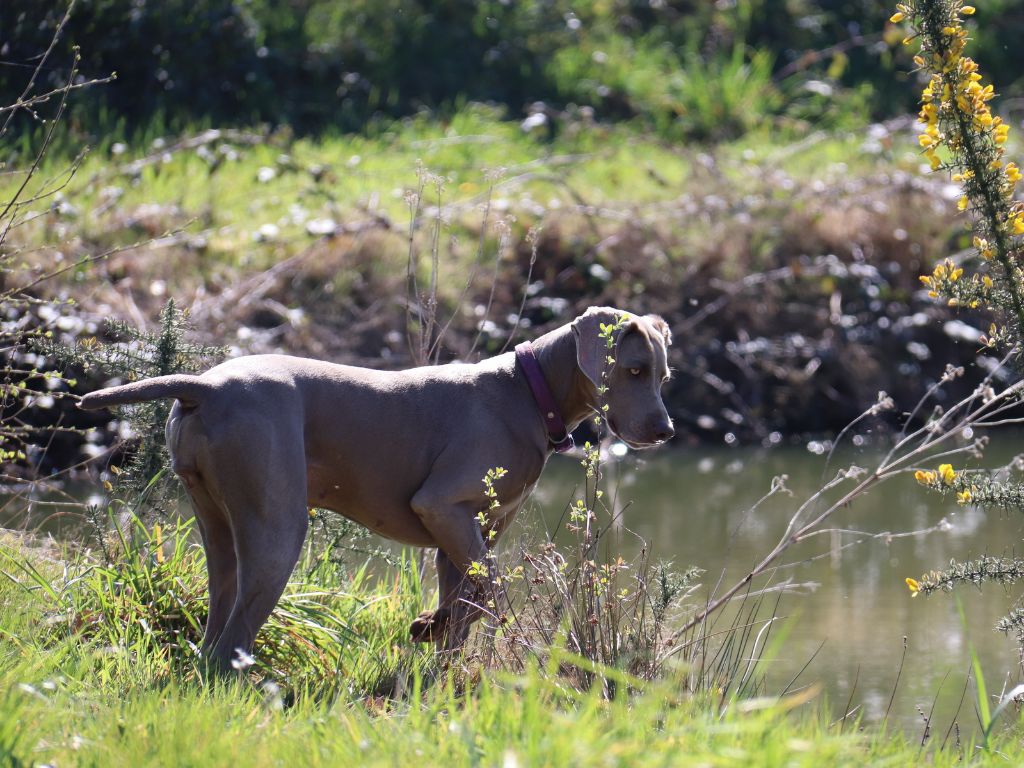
x=962, y=135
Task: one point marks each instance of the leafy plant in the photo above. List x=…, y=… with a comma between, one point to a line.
x=964, y=137
x=139, y=354
x=26, y=387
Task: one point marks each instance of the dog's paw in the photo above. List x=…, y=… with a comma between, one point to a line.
x=429, y=626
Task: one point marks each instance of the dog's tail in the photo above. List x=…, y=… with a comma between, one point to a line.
x=189, y=389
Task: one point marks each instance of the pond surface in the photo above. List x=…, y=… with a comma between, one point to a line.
x=693, y=506
x=852, y=611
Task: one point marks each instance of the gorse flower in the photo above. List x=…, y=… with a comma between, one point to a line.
x=946, y=474
x=961, y=134
x=924, y=478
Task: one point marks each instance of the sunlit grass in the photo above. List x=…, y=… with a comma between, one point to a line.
x=81, y=696
x=606, y=171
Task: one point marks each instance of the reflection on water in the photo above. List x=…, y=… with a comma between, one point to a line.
x=693, y=507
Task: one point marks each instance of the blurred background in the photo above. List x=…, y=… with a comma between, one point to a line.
x=689, y=71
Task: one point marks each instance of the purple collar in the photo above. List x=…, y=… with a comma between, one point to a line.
x=558, y=435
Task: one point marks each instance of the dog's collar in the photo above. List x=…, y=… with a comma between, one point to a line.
x=558, y=434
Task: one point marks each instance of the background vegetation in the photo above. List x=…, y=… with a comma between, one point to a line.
x=691, y=70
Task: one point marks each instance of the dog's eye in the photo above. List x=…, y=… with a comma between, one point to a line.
x=634, y=371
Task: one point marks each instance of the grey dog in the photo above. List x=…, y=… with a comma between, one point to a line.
x=258, y=440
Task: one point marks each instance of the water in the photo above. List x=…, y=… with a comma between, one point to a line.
x=693, y=507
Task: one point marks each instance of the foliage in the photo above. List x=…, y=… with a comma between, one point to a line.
x=316, y=64
x=27, y=386
x=962, y=136
x=680, y=93
x=139, y=354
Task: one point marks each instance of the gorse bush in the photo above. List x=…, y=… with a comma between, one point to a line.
x=963, y=136
x=138, y=354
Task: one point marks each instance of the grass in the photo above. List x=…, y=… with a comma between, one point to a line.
x=608, y=172
x=97, y=669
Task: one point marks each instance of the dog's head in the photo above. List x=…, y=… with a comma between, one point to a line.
x=625, y=358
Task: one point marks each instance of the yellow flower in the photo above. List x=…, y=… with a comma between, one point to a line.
x=946, y=474
x=914, y=586
x=967, y=10
x=1018, y=224
x=1012, y=173
x=987, y=281
x=963, y=497
x=961, y=204
x=924, y=478
x=896, y=18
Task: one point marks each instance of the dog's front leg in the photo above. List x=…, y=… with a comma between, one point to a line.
x=462, y=569
x=458, y=606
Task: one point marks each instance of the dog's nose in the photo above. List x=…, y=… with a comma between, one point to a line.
x=663, y=430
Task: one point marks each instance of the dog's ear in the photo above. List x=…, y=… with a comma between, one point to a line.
x=661, y=327
x=591, y=348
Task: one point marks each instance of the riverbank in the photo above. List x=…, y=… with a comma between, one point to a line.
x=787, y=266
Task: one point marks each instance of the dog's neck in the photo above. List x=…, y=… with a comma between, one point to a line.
x=572, y=390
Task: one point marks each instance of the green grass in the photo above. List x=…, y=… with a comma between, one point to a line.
x=612, y=172
x=111, y=692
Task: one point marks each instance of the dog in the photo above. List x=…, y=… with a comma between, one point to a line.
x=258, y=440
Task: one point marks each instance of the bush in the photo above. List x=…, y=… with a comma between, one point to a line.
x=318, y=64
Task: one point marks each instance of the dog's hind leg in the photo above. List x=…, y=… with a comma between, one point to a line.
x=266, y=556
x=259, y=482
x=188, y=444
x=221, y=564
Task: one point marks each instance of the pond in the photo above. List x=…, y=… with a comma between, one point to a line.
x=693, y=506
